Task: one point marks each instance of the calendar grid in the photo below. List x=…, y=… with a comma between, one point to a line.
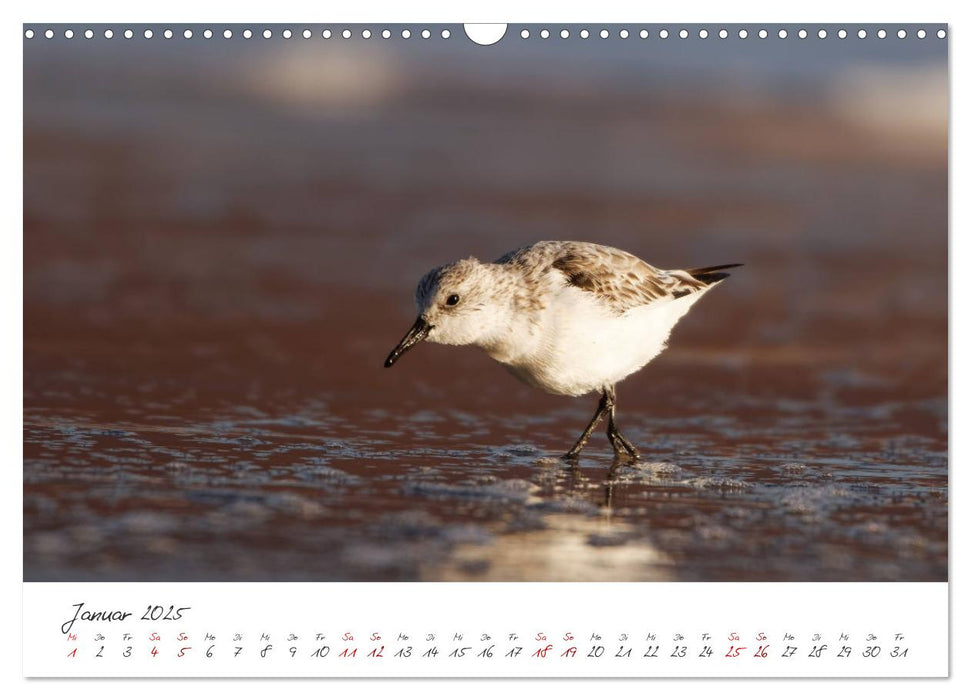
x=468, y=630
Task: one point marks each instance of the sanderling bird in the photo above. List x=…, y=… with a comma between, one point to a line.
x=566, y=317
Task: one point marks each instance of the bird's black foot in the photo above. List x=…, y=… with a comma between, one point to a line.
x=622, y=446
x=625, y=450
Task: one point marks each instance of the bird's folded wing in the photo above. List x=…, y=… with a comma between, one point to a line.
x=621, y=280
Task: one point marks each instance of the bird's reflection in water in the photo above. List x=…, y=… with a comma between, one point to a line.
x=580, y=484
x=610, y=482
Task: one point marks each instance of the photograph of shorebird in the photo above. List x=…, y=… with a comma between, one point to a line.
x=223, y=237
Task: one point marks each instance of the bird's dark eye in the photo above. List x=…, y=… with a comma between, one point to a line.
x=452, y=300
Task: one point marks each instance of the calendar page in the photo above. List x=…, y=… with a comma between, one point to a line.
x=383, y=350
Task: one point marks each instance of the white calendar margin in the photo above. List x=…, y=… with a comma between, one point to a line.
x=917, y=610
x=438, y=10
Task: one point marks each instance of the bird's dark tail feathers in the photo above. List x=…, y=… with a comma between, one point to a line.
x=710, y=275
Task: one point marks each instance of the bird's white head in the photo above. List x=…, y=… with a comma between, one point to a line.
x=458, y=304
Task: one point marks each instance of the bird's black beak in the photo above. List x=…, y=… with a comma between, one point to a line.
x=418, y=333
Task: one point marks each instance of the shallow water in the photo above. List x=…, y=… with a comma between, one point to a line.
x=215, y=269
x=731, y=487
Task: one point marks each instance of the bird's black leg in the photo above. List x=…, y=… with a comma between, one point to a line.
x=618, y=441
x=603, y=408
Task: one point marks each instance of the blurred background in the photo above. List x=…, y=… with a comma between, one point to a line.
x=222, y=240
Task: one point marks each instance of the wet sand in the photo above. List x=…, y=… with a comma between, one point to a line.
x=212, y=279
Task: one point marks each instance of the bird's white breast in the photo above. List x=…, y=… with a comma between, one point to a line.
x=576, y=344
